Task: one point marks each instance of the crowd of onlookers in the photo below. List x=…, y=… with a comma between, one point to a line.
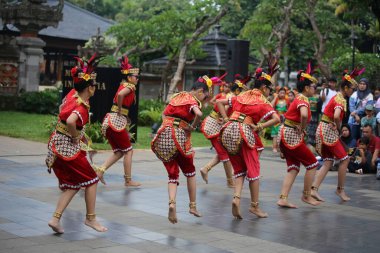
x=361, y=124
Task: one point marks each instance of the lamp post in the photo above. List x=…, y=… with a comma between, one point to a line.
x=353, y=37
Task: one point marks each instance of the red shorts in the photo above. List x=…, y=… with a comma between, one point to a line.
x=301, y=154
x=246, y=163
x=119, y=141
x=336, y=151
x=220, y=150
x=75, y=173
x=186, y=164
x=258, y=143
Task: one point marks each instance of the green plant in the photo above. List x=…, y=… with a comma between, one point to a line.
x=93, y=131
x=148, y=117
x=44, y=102
x=50, y=125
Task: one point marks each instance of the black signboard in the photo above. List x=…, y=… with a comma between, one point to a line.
x=108, y=81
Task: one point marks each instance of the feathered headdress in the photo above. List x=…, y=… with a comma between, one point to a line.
x=272, y=69
x=307, y=74
x=210, y=82
x=350, y=77
x=127, y=68
x=86, y=69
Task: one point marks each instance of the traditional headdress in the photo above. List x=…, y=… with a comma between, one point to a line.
x=350, y=77
x=264, y=77
x=85, y=71
x=210, y=82
x=302, y=74
x=127, y=68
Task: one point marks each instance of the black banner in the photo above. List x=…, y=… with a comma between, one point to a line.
x=107, y=81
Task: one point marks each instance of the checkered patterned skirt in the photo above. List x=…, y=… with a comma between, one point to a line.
x=210, y=127
x=290, y=137
x=170, y=141
x=325, y=135
x=233, y=134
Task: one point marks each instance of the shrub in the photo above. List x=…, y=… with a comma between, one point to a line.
x=94, y=131
x=44, y=102
x=150, y=111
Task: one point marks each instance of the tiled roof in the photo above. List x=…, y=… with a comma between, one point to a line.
x=77, y=23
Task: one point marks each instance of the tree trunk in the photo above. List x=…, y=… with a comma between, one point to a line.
x=207, y=23
x=164, y=79
x=320, y=48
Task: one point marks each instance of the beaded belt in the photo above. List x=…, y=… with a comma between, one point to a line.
x=241, y=117
x=176, y=122
x=124, y=111
x=326, y=119
x=214, y=114
x=291, y=123
x=62, y=128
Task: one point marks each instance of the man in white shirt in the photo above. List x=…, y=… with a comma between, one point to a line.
x=328, y=93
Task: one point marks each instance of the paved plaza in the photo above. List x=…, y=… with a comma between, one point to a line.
x=137, y=217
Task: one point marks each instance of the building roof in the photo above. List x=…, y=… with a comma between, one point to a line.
x=77, y=23
x=215, y=48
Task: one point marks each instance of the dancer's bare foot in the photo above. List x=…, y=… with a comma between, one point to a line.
x=94, y=224
x=236, y=207
x=132, y=184
x=193, y=209
x=310, y=200
x=257, y=211
x=204, y=174
x=285, y=203
x=172, y=216
x=315, y=194
x=230, y=183
x=56, y=226
x=341, y=193
x=129, y=182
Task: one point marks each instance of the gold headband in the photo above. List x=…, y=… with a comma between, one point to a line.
x=311, y=78
x=86, y=76
x=351, y=80
x=130, y=71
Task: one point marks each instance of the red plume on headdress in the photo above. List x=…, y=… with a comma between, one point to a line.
x=218, y=80
x=307, y=74
x=356, y=72
x=86, y=70
x=124, y=63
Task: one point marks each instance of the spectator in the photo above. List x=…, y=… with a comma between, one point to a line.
x=374, y=144
x=329, y=92
x=357, y=103
x=280, y=104
x=369, y=119
x=291, y=96
x=347, y=139
x=312, y=126
x=360, y=162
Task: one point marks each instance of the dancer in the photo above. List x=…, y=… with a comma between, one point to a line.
x=172, y=143
x=115, y=124
x=328, y=144
x=237, y=136
x=210, y=128
x=292, y=145
x=65, y=156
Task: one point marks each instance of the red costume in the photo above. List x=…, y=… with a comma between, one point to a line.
x=328, y=144
x=237, y=136
x=211, y=127
x=292, y=143
x=68, y=160
x=172, y=144
x=115, y=124
x=115, y=127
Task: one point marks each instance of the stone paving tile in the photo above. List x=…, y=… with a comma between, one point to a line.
x=137, y=217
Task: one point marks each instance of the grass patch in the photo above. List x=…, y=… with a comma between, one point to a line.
x=34, y=127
